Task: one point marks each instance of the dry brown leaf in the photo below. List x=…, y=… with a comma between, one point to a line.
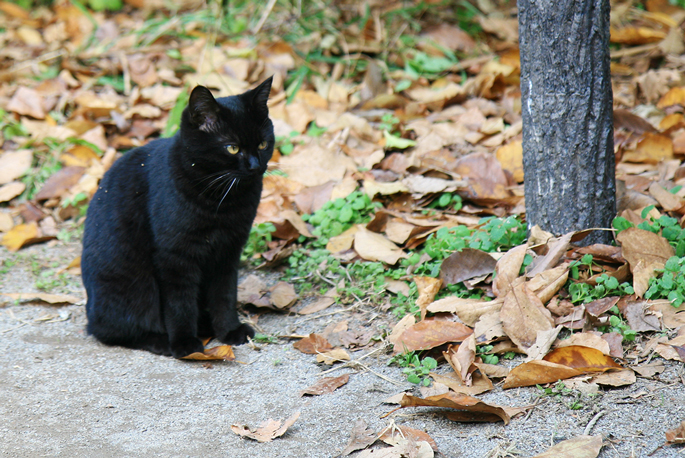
x=267, y=431
x=427, y=288
x=584, y=359
x=333, y=356
x=394, y=434
x=615, y=378
x=668, y=201
x=578, y=447
x=326, y=385
x=465, y=265
x=318, y=305
x=431, y=333
x=507, y=270
x=652, y=149
x=283, y=295
x=43, y=297
x=538, y=372
x=586, y=339
x=14, y=164
x=468, y=310
x=343, y=241
x=492, y=370
x=253, y=290
x=22, y=235
x=11, y=190
x=480, y=383
x=376, y=247
x=467, y=408
x=556, y=249
x=547, y=284
x=361, y=437
x=677, y=435
x=221, y=352
x=60, y=182
x=638, y=318
x=673, y=317
x=28, y=102
x=636, y=35
x=639, y=245
x=523, y=315
x=313, y=165
x=511, y=158
x=485, y=176
x=313, y=344
x=675, y=96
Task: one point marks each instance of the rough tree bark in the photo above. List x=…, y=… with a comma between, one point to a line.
x=566, y=99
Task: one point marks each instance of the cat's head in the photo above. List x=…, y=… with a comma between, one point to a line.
x=229, y=133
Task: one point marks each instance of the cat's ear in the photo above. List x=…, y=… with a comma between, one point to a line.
x=260, y=95
x=203, y=109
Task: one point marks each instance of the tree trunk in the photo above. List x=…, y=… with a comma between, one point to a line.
x=566, y=100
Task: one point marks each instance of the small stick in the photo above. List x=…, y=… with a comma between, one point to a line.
x=592, y=422
x=265, y=15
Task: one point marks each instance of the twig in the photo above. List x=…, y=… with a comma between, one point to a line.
x=24, y=323
x=265, y=15
x=7, y=74
x=592, y=422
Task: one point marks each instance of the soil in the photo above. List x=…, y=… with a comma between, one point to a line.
x=63, y=394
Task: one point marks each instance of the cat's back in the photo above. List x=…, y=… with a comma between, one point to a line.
x=118, y=208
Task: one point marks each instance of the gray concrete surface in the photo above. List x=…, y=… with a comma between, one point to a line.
x=62, y=394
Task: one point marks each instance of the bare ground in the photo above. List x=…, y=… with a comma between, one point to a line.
x=63, y=394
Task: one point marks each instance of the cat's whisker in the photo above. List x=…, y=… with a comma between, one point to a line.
x=226, y=193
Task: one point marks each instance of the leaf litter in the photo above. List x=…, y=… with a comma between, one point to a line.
x=433, y=143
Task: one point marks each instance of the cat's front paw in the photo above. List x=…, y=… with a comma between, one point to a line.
x=238, y=336
x=186, y=346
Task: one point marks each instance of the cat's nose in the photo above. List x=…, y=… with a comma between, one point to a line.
x=253, y=162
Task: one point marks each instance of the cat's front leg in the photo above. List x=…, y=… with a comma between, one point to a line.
x=179, y=292
x=222, y=296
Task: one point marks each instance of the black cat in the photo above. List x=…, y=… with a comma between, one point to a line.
x=166, y=228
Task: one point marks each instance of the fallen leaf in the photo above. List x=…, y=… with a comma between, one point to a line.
x=28, y=102
x=23, y=235
x=283, y=295
x=43, y=297
x=253, y=290
x=578, y=447
x=221, y=352
x=538, y=372
x=318, y=305
x=427, y=288
x=468, y=310
x=375, y=247
x=362, y=436
x=652, y=149
x=584, y=359
x=60, y=182
x=649, y=370
x=586, y=339
x=313, y=165
x=468, y=409
x=268, y=431
x=480, y=383
x=14, y=164
x=511, y=158
x=326, y=385
x=556, y=249
x=675, y=96
x=523, y=315
x=673, y=317
x=333, y=356
x=507, y=270
x=677, y=435
x=392, y=435
x=638, y=318
x=431, y=333
x=645, y=246
x=11, y=190
x=465, y=265
x=615, y=378
x=313, y=344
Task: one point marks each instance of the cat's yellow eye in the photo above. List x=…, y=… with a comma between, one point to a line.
x=263, y=145
x=232, y=149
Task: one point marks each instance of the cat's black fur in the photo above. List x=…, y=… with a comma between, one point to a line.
x=166, y=228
